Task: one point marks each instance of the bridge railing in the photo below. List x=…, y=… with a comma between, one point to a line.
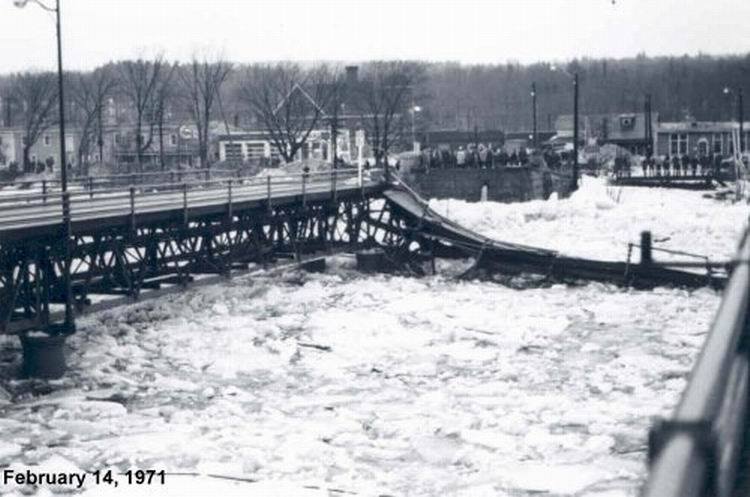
x=114, y=180
x=25, y=209
x=697, y=451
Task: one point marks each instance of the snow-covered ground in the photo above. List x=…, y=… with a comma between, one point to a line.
x=347, y=384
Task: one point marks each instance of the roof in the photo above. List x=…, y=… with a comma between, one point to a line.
x=699, y=126
x=463, y=137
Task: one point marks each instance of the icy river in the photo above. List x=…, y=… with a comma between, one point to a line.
x=296, y=384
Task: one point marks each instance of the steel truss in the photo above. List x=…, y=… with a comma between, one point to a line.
x=130, y=260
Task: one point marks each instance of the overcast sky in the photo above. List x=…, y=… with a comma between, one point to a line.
x=96, y=31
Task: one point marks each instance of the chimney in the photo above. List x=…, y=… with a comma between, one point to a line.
x=351, y=74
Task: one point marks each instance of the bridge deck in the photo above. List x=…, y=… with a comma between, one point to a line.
x=31, y=216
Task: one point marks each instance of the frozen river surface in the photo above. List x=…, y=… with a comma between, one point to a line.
x=344, y=384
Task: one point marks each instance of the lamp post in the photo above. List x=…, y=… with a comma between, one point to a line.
x=533, y=114
x=69, y=326
x=414, y=109
x=740, y=114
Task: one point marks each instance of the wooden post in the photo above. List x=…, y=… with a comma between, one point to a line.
x=230, y=213
x=91, y=187
x=44, y=190
x=304, y=190
x=132, y=209
x=268, y=189
x=184, y=204
x=646, y=255
x=333, y=184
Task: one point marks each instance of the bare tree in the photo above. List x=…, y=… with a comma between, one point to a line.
x=140, y=85
x=90, y=92
x=201, y=83
x=383, y=98
x=163, y=97
x=37, y=93
x=289, y=102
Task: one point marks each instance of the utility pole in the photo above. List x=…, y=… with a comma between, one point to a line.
x=648, y=129
x=533, y=114
x=575, y=132
x=69, y=319
x=740, y=118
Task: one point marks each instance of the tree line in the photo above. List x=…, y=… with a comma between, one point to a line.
x=290, y=100
x=287, y=100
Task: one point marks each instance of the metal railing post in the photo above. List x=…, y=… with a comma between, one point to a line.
x=44, y=190
x=91, y=187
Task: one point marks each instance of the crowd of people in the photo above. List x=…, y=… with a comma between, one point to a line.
x=675, y=165
x=486, y=156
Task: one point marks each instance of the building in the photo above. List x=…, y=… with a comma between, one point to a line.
x=697, y=138
x=46, y=150
x=627, y=130
x=517, y=140
x=253, y=146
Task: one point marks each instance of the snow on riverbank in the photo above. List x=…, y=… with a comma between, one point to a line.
x=318, y=384
x=593, y=224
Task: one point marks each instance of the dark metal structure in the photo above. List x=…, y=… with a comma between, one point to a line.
x=128, y=241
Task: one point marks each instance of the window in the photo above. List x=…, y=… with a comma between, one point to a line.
x=255, y=150
x=678, y=144
x=233, y=152
x=118, y=139
x=718, y=149
x=47, y=141
x=703, y=147
x=173, y=139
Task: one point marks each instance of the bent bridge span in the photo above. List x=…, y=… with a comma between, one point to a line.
x=59, y=258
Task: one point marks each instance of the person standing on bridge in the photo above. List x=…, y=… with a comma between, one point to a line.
x=693, y=165
x=675, y=165
x=704, y=162
x=461, y=158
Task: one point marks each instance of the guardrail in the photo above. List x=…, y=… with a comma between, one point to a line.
x=111, y=180
x=36, y=209
x=697, y=451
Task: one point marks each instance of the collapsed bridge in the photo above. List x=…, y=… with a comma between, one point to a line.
x=62, y=254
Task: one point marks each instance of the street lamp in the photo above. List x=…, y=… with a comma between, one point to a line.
x=69, y=326
x=574, y=76
x=740, y=116
x=533, y=113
